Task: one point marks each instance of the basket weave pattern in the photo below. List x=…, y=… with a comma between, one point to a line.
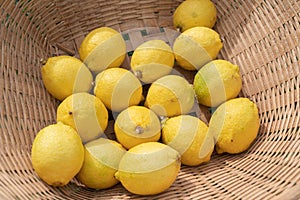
x=262, y=37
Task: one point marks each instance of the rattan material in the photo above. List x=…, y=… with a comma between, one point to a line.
x=262, y=37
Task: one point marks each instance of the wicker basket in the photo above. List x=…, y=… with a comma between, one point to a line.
x=261, y=36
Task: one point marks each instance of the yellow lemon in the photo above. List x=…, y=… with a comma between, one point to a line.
x=65, y=75
x=57, y=154
x=196, y=46
x=234, y=125
x=152, y=60
x=85, y=113
x=136, y=125
x=170, y=95
x=188, y=135
x=102, y=48
x=118, y=89
x=149, y=168
x=216, y=82
x=101, y=161
x=194, y=13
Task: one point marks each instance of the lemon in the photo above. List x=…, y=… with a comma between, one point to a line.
x=102, y=48
x=194, y=13
x=216, y=82
x=65, y=75
x=136, y=125
x=152, y=60
x=85, y=113
x=118, y=89
x=149, y=168
x=196, y=46
x=170, y=95
x=234, y=125
x=188, y=135
x=57, y=154
x=101, y=161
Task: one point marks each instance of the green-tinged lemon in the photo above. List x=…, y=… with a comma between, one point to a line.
x=216, y=82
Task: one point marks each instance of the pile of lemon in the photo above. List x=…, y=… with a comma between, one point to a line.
x=155, y=132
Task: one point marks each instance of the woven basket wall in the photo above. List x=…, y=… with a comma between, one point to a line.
x=261, y=36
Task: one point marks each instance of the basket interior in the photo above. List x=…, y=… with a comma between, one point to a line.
x=262, y=37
